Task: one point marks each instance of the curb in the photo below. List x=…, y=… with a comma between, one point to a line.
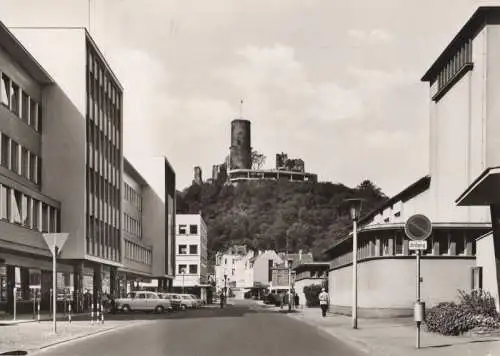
x=37, y=350
x=349, y=340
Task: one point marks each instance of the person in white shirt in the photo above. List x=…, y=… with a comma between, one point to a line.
x=323, y=301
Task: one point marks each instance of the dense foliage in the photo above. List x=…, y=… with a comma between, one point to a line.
x=274, y=215
x=312, y=294
x=474, y=310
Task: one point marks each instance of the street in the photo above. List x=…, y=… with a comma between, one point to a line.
x=242, y=329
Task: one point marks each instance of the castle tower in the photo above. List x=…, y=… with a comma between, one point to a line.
x=240, y=150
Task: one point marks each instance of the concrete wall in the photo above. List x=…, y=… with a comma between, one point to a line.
x=485, y=258
x=153, y=228
x=66, y=60
x=63, y=166
x=299, y=287
x=261, y=266
x=387, y=286
x=457, y=141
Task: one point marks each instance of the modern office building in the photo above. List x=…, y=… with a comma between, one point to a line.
x=191, y=255
x=463, y=143
x=29, y=107
x=145, y=228
x=84, y=152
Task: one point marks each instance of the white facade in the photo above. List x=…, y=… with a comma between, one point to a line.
x=191, y=251
x=225, y=265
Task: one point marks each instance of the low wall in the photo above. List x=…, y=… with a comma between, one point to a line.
x=386, y=286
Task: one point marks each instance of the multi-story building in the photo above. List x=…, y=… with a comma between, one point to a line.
x=463, y=122
x=84, y=152
x=30, y=104
x=148, y=224
x=225, y=266
x=191, y=254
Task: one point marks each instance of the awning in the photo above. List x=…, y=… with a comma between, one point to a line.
x=485, y=190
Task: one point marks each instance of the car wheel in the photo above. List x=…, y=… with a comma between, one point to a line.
x=183, y=307
x=159, y=309
x=126, y=309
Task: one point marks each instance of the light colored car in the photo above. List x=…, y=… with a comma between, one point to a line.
x=143, y=301
x=174, y=299
x=199, y=302
x=187, y=301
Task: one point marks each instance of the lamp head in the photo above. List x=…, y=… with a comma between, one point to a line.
x=352, y=207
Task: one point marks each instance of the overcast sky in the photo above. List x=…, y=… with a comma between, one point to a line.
x=336, y=83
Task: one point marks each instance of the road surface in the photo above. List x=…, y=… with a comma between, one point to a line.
x=241, y=329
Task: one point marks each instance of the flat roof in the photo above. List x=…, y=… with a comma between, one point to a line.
x=482, y=16
x=129, y=169
x=21, y=55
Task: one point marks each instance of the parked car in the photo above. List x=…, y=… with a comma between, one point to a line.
x=175, y=299
x=143, y=301
x=197, y=299
x=187, y=301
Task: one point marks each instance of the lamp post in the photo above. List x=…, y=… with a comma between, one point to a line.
x=183, y=273
x=354, y=206
x=225, y=288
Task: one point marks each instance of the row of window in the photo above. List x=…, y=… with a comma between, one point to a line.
x=109, y=169
x=133, y=197
x=103, y=240
x=183, y=229
x=132, y=226
x=462, y=57
x=21, y=209
x=183, y=249
x=453, y=243
x=99, y=209
x=138, y=253
x=20, y=160
x=183, y=269
x=103, y=189
x=20, y=103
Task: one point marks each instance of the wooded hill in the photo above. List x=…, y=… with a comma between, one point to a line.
x=275, y=215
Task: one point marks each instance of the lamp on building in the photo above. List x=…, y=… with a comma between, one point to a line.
x=354, y=207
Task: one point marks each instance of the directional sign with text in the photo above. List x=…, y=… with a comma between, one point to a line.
x=418, y=227
x=417, y=245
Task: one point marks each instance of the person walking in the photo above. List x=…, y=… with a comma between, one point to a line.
x=296, y=300
x=222, y=300
x=323, y=301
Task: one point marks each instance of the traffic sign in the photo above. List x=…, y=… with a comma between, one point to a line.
x=55, y=240
x=418, y=227
x=417, y=245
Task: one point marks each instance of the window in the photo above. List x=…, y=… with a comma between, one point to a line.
x=399, y=245
x=182, y=269
x=33, y=114
x=459, y=242
x=45, y=217
x=182, y=229
x=5, y=203
x=225, y=261
x=477, y=278
x=25, y=163
x=5, y=90
x=385, y=247
x=193, y=229
x=25, y=107
x=443, y=243
x=14, y=156
x=193, y=269
x=182, y=249
x=52, y=219
x=14, y=99
x=36, y=214
x=24, y=212
x=193, y=249
x=5, y=151
x=17, y=207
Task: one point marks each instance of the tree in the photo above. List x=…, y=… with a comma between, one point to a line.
x=258, y=160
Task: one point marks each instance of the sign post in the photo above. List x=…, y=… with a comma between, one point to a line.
x=418, y=228
x=55, y=243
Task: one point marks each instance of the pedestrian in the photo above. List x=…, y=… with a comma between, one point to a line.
x=296, y=300
x=222, y=300
x=323, y=301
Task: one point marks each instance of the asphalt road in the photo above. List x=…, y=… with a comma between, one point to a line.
x=242, y=330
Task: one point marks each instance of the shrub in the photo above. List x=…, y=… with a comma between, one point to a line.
x=475, y=309
x=312, y=293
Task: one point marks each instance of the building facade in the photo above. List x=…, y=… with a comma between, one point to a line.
x=191, y=254
x=225, y=266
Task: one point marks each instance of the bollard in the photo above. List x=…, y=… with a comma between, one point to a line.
x=50, y=302
x=38, y=307
x=92, y=313
x=69, y=313
x=98, y=317
x=14, y=291
x=33, y=295
x=102, y=314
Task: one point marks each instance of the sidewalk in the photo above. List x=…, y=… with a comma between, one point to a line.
x=28, y=318
x=391, y=337
x=33, y=337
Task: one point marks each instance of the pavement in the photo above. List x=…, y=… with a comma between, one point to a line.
x=243, y=329
x=388, y=337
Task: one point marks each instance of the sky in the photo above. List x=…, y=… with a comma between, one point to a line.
x=336, y=83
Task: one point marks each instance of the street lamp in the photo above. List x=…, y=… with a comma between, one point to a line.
x=183, y=273
x=354, y=206
x=225, y=287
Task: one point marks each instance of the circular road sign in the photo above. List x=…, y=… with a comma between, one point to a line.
x=418, y=227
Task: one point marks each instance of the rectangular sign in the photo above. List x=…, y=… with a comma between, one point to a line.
x=417, y=245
